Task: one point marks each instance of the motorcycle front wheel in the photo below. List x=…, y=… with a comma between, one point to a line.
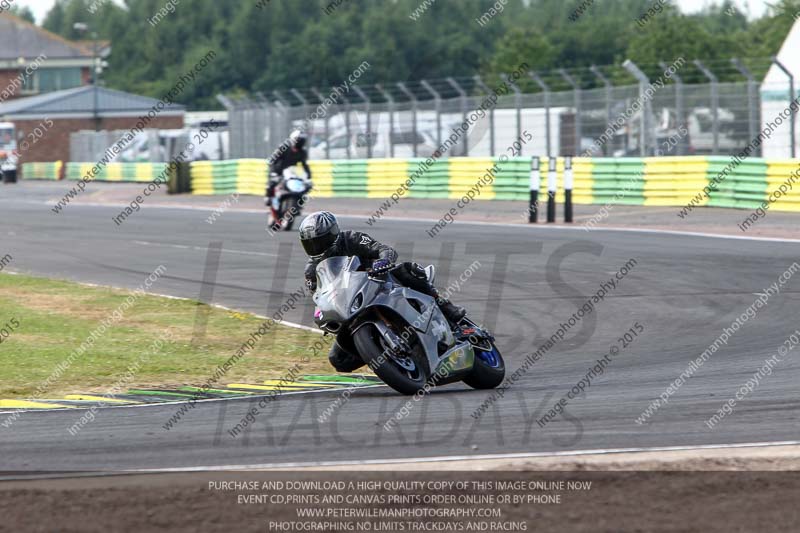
x=489, y=369
x=406, y=373
x=290, y=213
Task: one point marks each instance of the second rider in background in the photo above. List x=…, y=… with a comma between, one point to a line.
x=286, y=158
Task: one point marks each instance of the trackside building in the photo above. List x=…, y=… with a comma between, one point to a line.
x=44, y=123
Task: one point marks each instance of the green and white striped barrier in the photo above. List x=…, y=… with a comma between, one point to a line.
x=653, y=181
x=123, y=172
x=42, y=171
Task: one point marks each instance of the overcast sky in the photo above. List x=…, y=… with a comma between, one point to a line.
x=754, y=7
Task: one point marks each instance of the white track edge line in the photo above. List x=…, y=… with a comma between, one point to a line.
x=450, y=458
x=181, y=298
x=181, y=402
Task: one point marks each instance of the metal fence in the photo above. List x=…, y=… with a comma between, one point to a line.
x=148, y=146
x=531, y=118
x=90, y=145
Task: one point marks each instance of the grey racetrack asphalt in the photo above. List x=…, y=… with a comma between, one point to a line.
x=683, y=290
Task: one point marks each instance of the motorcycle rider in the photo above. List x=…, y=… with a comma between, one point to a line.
x=322, y=239
x=287, y=156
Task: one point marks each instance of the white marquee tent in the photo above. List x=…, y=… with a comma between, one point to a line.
x=775, y=91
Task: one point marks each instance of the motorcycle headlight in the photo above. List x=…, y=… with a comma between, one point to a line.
x=358, y=301
x=295, y=185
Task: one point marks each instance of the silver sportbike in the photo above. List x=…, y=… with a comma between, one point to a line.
x=401, y=333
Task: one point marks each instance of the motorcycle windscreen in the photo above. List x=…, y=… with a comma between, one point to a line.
x=338, y=282
x=332, y=272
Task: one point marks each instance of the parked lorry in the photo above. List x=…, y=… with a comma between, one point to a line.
x=8, y=152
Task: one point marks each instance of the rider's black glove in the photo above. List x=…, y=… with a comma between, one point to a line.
x=311, y=284
x=380, y=268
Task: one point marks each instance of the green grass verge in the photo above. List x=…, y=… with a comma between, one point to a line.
x=50, y=319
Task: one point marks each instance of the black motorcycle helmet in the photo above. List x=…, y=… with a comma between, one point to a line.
x=299, y=139
x=318, y=233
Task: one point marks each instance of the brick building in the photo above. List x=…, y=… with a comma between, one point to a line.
x=34, y=61
x=44, y=123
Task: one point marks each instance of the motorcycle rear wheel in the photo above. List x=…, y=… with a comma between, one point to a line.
x=373, y=351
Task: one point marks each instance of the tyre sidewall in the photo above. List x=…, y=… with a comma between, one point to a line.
x=389, y=373
x=482, y=376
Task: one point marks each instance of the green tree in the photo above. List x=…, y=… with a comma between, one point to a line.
x=520, y=46
x=668, y=38
x=24, y=13
x=304, y=43
x=766, y=35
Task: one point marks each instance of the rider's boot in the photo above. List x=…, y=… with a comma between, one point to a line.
x=414, y=277
x=452, y=312
x=417, y=279
x=272, y=182
x=342, y=360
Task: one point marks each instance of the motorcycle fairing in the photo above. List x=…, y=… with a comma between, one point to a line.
x=457, y=361
x=344, y=292
x=431, y=329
